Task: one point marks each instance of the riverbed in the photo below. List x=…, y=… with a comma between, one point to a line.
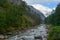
x=37, y=33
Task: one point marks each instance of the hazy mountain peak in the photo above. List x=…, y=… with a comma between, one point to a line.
x=45, y=10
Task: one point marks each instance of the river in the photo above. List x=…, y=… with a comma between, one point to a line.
x=37, y=33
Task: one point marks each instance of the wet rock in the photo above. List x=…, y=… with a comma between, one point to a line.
x=1, y=36
x=38, y=37
x=22, y=39
x=5, y=36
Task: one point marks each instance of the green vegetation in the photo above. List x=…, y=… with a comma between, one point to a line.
x=15, y=17
x=54, y=20
x=54, y=33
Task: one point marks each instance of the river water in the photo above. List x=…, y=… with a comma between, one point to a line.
x=36, y=33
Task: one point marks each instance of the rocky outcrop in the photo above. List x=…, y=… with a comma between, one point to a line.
x=37, y=12
x=18, y=2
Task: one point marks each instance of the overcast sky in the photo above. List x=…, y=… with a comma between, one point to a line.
x=48, y=3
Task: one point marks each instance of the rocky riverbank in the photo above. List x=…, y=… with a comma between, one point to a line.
x=7, y=35
x=38, y=32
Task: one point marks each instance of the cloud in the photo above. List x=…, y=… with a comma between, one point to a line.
x=41, y=1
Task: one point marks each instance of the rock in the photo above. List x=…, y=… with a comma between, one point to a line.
x=1, y=36
x=5, y=36
x=38, y=37
x=18, y=2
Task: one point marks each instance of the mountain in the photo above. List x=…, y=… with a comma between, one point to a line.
x=45, y=10
x=54, y=18
x=15, y=16
x=33, y=10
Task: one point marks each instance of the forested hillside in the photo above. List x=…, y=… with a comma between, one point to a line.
x=16, y=17
x=54, y=20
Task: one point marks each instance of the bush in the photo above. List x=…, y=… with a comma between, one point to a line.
x=54, y=33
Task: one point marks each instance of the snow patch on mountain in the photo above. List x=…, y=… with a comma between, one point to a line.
x=45, y=10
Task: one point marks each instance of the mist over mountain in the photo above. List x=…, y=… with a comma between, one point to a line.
x=45, y=10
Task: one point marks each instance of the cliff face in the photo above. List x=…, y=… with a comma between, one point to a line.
x=15, y=1
x=37, y=12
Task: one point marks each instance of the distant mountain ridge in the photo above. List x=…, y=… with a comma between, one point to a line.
x=33, y=10
x=45, y=10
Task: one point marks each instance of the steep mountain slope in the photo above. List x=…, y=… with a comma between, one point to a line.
x=36, y=12
x=16, y=17
x=45, y=10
